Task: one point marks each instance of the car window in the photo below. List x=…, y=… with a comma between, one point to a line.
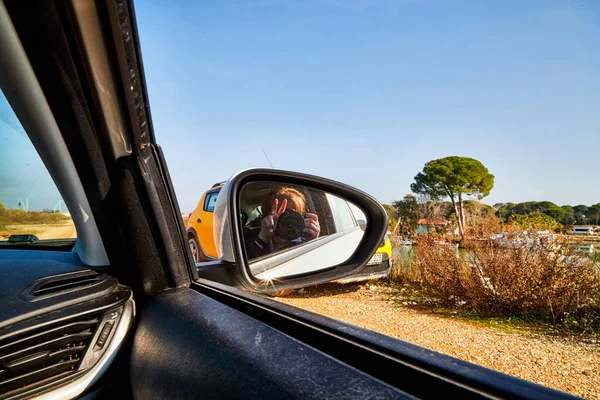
x=31, y=208
x=344, y=220
x=474, y=123
x=357, y=213
x=211, y=200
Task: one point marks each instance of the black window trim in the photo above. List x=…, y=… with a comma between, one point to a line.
x=408, y=367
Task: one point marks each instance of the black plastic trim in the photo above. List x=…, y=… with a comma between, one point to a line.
x=188, y=346
x=64, y=311
x=418, y=371
x=84, y=280
x=52, y=244
x=218, y=271
x=160, y=195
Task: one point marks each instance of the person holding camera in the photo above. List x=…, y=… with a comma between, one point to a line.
x=285, y=223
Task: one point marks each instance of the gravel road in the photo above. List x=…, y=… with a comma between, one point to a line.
x=570, y=364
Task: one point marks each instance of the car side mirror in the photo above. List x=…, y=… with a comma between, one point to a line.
x=285, y=230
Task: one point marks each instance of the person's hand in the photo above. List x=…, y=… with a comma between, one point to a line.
x=311, y=226
x=268, y=223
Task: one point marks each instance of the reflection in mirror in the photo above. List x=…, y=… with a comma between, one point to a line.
x=362, y=223
x=291, y=230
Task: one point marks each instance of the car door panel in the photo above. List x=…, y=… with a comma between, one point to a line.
x=188, y=345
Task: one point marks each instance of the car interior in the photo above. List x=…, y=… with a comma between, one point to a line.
x=254, y=193
x=121, y=311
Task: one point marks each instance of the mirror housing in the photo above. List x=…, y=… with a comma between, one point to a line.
x=228, y=230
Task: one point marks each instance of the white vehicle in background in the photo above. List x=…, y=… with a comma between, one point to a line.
x=582, y=230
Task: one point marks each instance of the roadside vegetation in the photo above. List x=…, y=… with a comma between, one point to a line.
x=10, y=217
x=449, y=189
x=504, y=262
x=547, y=282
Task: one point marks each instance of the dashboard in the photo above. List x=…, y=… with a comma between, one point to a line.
x=61, y=324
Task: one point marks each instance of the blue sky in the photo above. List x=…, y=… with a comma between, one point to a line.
x=367, y=91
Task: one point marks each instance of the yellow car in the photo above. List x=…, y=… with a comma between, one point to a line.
x=386, y=248
x=199, y=226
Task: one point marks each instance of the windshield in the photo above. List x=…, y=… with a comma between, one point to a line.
x=31, y=208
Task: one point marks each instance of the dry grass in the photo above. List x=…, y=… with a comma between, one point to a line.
x=548, y=280
x=19, y=217
x=15, y=222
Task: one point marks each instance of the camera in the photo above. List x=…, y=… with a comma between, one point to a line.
x=290, y=225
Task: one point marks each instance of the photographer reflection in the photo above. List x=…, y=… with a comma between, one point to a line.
x=284, y=223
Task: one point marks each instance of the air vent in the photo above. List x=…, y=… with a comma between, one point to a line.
x=66, y=283
x=44, y=354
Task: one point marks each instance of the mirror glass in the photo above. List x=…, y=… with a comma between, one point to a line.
x=290, y=230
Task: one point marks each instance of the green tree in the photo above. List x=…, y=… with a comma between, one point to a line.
x=392, y=215
x=594, y=214
x=569, y=217
x=504, y=210
x=407, y=212
x=526, y=208
x=581, y=214
x=454, y=177
x=551, y=209
x=478, y=209
x=536, y=221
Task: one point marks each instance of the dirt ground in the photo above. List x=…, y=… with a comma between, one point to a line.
x=567, y=363
x=49, y=231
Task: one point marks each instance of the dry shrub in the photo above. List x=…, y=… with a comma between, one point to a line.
x=16, y=217
x=535, y=277
x=404, y=269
